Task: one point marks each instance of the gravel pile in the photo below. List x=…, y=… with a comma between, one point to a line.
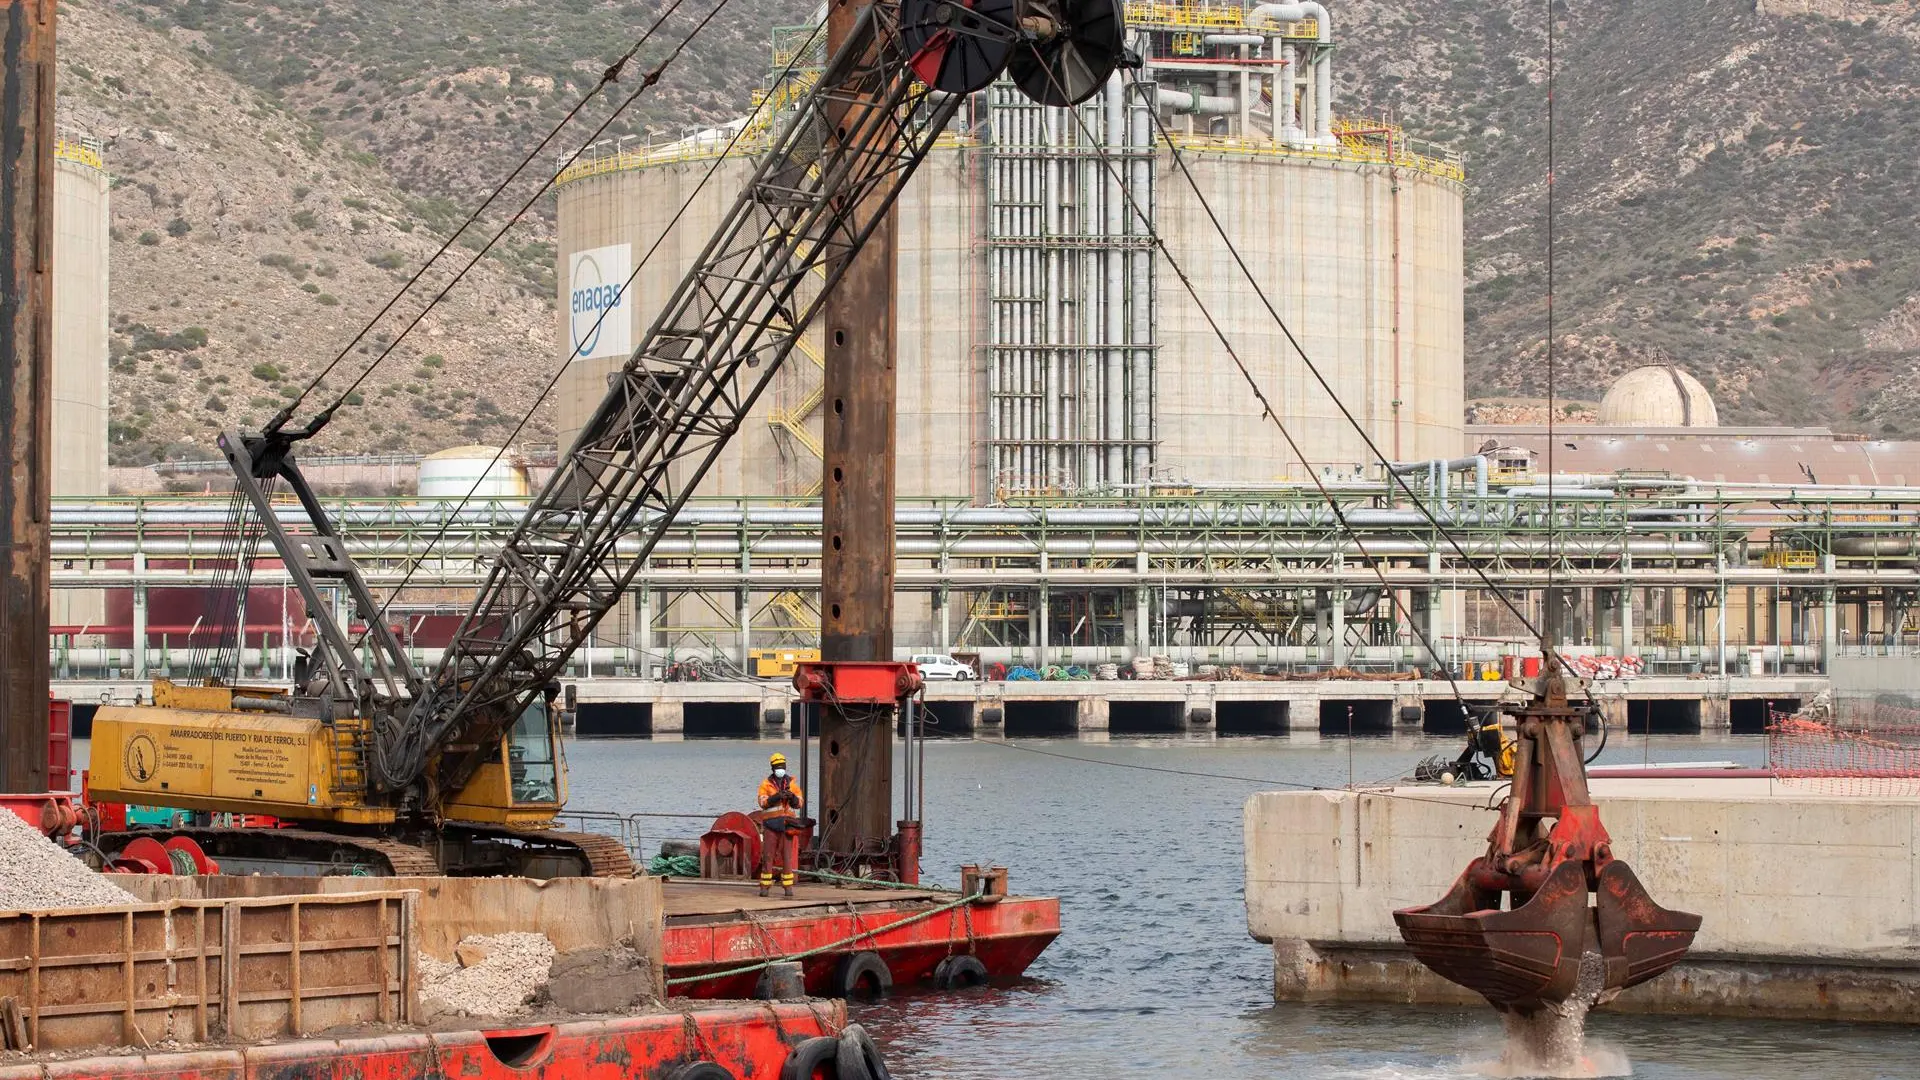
x=495, y=975
x=36, y=873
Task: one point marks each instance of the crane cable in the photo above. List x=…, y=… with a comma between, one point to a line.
x=1442, y=530
x=1106, y=159
x=608, y=77
x=1266, y=405
x=726, y=153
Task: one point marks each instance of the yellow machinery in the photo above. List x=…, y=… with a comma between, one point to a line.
x=242, y=750
x=780, y=663
x=383, y=769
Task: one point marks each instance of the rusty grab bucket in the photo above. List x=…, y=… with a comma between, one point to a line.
x=1516, y=924
x=1527, y=957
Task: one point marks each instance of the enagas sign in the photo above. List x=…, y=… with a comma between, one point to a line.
x=598, y=311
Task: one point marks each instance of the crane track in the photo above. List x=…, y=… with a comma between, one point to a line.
x=341, y=849
x=605, y=856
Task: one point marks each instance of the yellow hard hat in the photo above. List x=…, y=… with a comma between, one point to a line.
x=777, y=761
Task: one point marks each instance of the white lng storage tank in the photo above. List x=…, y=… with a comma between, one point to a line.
x=484, y=472
x=1045, y=346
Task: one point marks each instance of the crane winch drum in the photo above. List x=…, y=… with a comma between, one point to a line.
x=1059, y=52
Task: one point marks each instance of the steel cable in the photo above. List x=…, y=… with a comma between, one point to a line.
x=610, y=75
x=546, y=391
x=1266, y=406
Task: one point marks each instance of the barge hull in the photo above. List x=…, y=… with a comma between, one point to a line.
x=746, y=1040
x=716, y=927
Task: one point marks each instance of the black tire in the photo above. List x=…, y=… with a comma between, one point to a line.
x=812, y=1058
x=862, y=975
x=701, y=1070
x=859, y=1059
x=959, y=973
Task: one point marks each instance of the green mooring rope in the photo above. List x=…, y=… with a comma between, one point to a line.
x=674, y=866
x=873, y=883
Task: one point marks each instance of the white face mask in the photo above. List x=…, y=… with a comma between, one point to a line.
x=779, y=774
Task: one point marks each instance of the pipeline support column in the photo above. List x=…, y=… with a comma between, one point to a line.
x=140, y=615
x=1627, y=645
x=26, y=395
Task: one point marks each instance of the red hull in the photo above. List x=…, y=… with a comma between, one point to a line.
x=1006, y=937
x=749, y=1041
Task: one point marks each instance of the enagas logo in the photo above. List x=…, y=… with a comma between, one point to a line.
x=597, y=302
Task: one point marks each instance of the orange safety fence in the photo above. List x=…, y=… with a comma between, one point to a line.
x=1876, y=754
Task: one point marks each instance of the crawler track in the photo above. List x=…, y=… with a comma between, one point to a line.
x=469, y=850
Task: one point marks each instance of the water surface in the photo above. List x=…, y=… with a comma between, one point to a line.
x=1154, y=975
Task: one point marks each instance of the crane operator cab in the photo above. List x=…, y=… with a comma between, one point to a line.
x=526, y=785
x=533, y=751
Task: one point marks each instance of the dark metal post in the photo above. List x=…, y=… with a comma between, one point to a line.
x=26, y=355
x=857, y=485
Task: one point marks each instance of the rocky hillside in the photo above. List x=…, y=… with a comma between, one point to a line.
x=249, y=247
x=1736, y=191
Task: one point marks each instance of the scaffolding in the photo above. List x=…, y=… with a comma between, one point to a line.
x=1070, y=289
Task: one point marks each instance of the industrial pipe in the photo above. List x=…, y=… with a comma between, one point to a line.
x=1234, y=39
x=1181, y=101
x=1854, y=546
x=1298, y=12
x=1478, y=463
x=1322, y=65
x=1560, y=493
x=1361, y=602
x=1113, y=262
x=984, y=547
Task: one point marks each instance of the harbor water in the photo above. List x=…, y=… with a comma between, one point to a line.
x=1154, y=975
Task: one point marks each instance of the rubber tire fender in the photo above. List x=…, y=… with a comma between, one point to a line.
x=804, y=1062
x=859, y=1058
x=701, y=1070
x=959, y=973
x=855, y=968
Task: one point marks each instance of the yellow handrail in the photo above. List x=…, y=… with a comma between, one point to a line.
x=1199, y=14
x=704, y=150
x=74, y=150
x=1364, y=154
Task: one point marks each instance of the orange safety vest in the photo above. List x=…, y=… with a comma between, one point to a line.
x=771, y=787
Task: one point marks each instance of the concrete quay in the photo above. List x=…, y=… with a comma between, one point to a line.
x=1810, y=901
x=614, y=707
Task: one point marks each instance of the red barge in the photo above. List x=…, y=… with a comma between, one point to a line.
x=716, y=930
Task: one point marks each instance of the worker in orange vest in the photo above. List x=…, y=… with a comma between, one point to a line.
x=780, y=823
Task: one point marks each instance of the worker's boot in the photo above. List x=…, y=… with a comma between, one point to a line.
x=766, y=882
x=786, y=883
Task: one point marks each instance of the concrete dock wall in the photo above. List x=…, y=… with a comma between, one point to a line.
x=749, y=708
x=1810, y=902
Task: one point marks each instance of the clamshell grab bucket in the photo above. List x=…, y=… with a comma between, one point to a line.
x=1517, y=922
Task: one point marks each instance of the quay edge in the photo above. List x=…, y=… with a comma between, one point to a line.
x=1810, y=900
x=637, y=708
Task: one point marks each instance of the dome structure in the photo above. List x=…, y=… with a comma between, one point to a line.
x=1658, y=396
x=484, y=472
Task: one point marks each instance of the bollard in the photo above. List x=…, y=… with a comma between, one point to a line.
x=782, y=980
